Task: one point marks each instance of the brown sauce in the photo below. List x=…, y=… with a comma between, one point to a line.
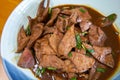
x=112, y=41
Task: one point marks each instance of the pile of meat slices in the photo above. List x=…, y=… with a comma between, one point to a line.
x=65, y=39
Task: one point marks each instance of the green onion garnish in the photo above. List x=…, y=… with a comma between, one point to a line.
x=78, y=41
x=70, y=54
x=90, y=50
x=28, y=31
x=100, y=70
x=73, y=78
x=49, y=10
x=51, y=68
x=112, y=17
x=82, y=10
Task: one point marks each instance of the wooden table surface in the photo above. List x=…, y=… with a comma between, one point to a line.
x=6, y=7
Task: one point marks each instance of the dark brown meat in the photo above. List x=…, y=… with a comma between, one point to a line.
x=55, y=39
x=32, y=22
x=55, y=13
x=68, y=42
x=48, y=30
x=82, y=62
x=103, y=54
x=61, y=24
x=66, y=12
x=69, y=67
x=41, y=8
x=26, y=59
x=22, y=40
x=83, y=14
x=35, y=34
x=44, y=13
x=96, y=36
x=85, y=25
x=106, y=21
x=73, y=17
x=51, y=61
x=42, y=47
x=94, y=75
x=108, y=60
x=71, y=75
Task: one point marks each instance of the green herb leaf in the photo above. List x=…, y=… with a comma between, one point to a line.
x=83, y=47
x=112, y=17
x=78, y=41
x=49, y=10
x=90, y=50
x=73, y=78
x=100, y=70
x=51, y=68
x=70, y=54
x=42, y=70
x=82, y=10
x=28, y=31
x=38, y=72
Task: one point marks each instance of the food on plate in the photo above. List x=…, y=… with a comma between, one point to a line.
x=69, y=42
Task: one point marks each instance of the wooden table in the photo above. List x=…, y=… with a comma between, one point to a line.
x=6, y=7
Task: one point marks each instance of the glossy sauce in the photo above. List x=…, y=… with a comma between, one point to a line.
x=112, y=41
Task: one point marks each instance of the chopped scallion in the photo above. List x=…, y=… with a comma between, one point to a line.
x=112, y=17
x=51, y=68
x=78, y=41
x=73, y=78
x=28, y=31
x=90, y=50
x=82, y=10
x=43, y=70
x=100, y=70
x=49, y=10
x=70, y=54
x=38, y=72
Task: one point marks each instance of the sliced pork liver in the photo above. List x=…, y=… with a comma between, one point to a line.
x=68, y=42
x=69, y=67
x=96, y=36
x=36, y=32
x=94, y=74
x=54, y=14
x=103, y=54
x=55, y=39
x=51, y=61
x=22, y=40
x=85, y=25
x=62, y=24
x=44, y=13
x=26, y=59
x=42, y=47
x=82, y=62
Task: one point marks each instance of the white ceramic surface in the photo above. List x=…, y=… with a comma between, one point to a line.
x=29, y=8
